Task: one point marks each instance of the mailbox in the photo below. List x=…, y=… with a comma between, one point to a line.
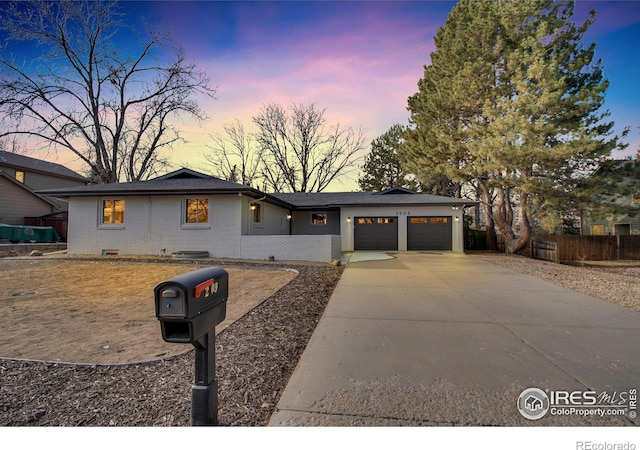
x=190, y=305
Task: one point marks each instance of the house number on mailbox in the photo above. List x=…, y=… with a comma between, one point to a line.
x=207, y=287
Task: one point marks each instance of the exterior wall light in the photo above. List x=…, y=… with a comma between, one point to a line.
x=349, y=219
x=457, y=219
x=252, y=207
x=288, y=216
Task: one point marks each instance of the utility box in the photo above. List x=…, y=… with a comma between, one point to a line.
x=190, y=305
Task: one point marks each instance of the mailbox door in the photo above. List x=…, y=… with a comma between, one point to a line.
x=172, y=302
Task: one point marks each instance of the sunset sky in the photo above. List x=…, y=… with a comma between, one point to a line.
x=359, y=60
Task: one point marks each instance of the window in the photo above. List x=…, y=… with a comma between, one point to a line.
x=319, y=218
x=112, y=211
x=438, y=220
x=255, y=209
x=597, y=230
x=197, y=210
x=20, y=176
x=372, y=220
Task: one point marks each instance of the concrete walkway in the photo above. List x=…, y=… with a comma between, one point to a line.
x=446, y=339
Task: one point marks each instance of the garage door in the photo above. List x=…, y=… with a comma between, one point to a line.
x=376, y=233
x=429, y=233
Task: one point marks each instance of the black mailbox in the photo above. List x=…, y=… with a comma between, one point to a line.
x=190, y=305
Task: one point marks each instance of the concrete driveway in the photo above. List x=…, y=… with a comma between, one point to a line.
x=446, y=339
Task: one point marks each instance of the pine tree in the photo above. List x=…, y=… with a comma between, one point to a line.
x=511, y=105
x=382, y=168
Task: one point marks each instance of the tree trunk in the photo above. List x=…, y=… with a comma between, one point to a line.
x=525, y=225
x=503, y=216
x=487, y=203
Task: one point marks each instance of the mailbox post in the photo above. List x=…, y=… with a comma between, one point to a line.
x=189, y=307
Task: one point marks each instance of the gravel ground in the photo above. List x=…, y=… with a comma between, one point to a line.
x=255, y=357
x=615, y=283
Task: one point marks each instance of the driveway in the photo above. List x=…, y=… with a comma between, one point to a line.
x=445, y=339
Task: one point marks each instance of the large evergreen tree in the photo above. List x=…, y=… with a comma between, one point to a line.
x=511, y=106
x=382, y=168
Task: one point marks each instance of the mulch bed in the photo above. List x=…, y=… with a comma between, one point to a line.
x=255, y=358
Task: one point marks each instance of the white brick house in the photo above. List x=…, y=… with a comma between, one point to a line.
x=189, y=211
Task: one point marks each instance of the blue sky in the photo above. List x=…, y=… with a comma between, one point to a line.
x=360, y=60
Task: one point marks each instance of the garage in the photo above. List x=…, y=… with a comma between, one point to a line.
x=429, y=233
x=376, y=233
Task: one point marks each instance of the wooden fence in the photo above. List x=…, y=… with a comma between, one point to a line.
x=588, y=248
x=59, y=222
x=475, y=239
x=541, y=249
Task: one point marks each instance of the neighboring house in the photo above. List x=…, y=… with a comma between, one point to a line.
x=21, y=176
x=622, y=224
x=18, y=201
x=189, y=211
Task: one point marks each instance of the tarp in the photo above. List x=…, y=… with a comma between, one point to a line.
x=24, y=233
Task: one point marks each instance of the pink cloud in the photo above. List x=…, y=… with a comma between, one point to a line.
x=363, y=76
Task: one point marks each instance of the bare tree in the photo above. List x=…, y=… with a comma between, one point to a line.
x=300, y=154
x=235, y=157
x=112, y=107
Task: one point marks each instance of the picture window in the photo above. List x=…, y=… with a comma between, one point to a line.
x=112, y=211
x=197, y=210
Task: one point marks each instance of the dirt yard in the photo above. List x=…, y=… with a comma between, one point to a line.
x=102, y=312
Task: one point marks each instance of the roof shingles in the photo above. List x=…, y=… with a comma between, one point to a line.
x=37, y=165
x=185, y=181
x=336, y=199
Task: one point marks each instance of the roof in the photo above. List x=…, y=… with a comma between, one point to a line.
x=392, y=197
x=17, y=161
x=180, y=182
x=155, y=186
x=184, y=173
x=186, y=181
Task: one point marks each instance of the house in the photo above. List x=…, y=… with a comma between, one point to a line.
x=628, y=222
x=21, y=176
x=18, y=201
x=189, y=211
